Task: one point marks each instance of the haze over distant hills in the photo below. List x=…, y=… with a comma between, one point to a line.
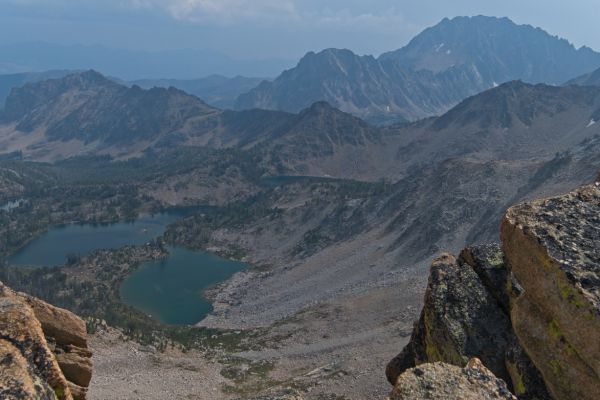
x=216, y=90
x=130, y=64
x=591, y=79
x=436, y=70
x=10, y=81
x=86, y=113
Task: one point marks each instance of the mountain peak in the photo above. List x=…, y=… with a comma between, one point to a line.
x=84, y=79
x=88, y=106
x=516, y=102
x=497, y=48
x=440, y=67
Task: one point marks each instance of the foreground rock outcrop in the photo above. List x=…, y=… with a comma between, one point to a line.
x=466, y=315
x=552, y=248
x=529, y=309
x=43, y=350
x=438, y=381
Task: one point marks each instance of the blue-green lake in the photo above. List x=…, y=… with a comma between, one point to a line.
x=171, y=290
x=53, y=247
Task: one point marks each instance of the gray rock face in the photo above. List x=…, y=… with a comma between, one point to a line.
x=466, y=315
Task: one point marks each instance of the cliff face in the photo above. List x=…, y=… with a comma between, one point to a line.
x=551, y=248
x=43, y=350
x=529, y=310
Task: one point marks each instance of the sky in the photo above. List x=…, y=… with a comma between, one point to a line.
x=286, y=29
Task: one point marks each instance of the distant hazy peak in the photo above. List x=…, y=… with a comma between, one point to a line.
x=498, y=48
x=440, y=67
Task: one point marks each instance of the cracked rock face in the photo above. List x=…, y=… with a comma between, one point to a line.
x=43, y=350
x=466, y=315
x=552, y=249
x=439, y=381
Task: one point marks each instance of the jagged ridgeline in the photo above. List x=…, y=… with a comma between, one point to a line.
x=439, y=68
x=528, y=309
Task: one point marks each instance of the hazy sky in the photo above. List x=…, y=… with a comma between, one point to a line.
x=273, y=28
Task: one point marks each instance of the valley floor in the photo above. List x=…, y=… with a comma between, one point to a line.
x=339, y=347
x=129, y=371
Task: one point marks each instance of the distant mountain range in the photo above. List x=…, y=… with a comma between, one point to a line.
x=130, y=64
x=216, y=90
x=452, y=176
x=440, y=67
x=86, y=113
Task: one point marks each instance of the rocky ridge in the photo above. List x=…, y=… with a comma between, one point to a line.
x=43, y=350
x=441, y=66
x=528, y=309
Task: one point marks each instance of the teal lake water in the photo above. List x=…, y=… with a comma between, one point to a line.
x=52, y=248
x=171, y=290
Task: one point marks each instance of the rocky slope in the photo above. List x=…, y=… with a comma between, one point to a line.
x=43, y=350
x=105, y=110
x=513, y=121
x=440, y=67
x=529, y=311
x=378, y=91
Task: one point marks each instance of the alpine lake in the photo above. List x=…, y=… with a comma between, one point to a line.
x=169, y=290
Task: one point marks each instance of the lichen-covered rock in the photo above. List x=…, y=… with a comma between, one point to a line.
x=465, y=315
x=52, y=341
x=460, y=320
x=552, y=248
x=17, y=379
x=33, y=361
x=439, y=381
x=63, y=326
x=67, y=336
